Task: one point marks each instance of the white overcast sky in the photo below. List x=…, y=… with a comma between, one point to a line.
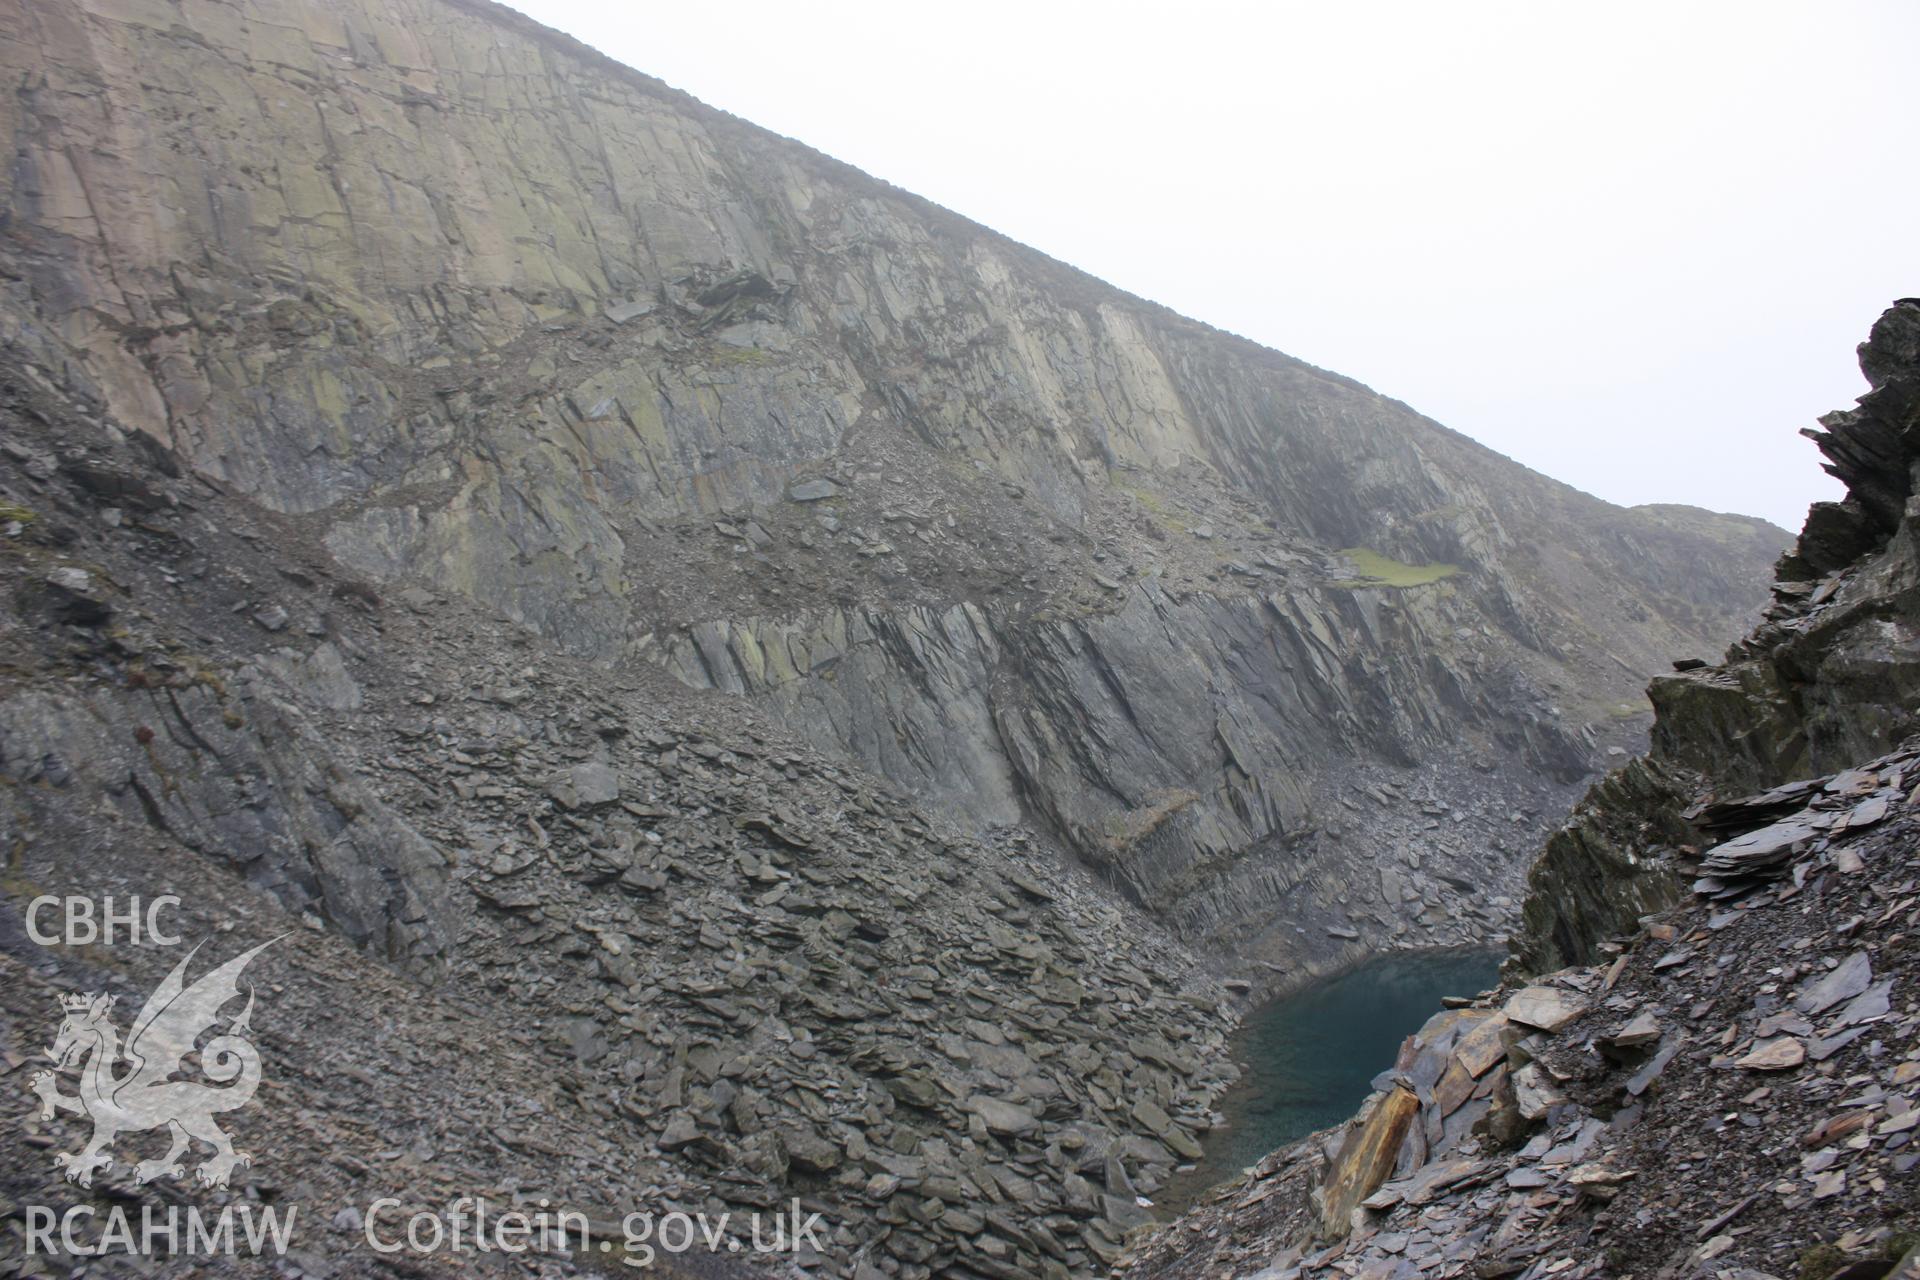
x=1630, y=244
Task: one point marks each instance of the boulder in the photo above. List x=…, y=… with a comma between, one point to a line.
x=1365, y=1160
x=585, y=786
x=1007, y=1119
x=1547, y=1008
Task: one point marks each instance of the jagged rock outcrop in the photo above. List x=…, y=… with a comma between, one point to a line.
x=239, y=775
x=1164, y=739
x=484, y=313
x=1831, y=676
x=1705, y=1059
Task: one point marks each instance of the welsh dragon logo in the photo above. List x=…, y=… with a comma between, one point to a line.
x=145, y=1095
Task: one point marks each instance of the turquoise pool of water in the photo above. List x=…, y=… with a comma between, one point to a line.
x=1310, y=1057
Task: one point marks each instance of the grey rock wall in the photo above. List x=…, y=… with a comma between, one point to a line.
x=485, y=314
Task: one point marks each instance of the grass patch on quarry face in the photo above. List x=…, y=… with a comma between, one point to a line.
x=1377, y=570
x=1153, y=506
x=724, y=353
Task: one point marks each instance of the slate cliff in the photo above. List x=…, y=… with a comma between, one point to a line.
x=488, y=315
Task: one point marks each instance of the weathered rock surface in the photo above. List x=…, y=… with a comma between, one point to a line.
x=496, y=318
x=688, y=640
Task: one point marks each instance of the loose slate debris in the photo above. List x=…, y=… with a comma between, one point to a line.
x=1847, y=980
x=1546, y=1008
x=1827, y=809
x=1755, y=1085
x=648, y=950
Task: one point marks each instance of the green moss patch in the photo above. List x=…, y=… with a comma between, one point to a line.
x=721, y=353
x=1377, y=570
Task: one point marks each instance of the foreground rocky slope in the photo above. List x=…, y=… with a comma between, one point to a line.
x=1735, y=1093
x=1727, y=1083
x=483, y=313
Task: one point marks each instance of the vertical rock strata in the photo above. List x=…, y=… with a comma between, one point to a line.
x=486, y=313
